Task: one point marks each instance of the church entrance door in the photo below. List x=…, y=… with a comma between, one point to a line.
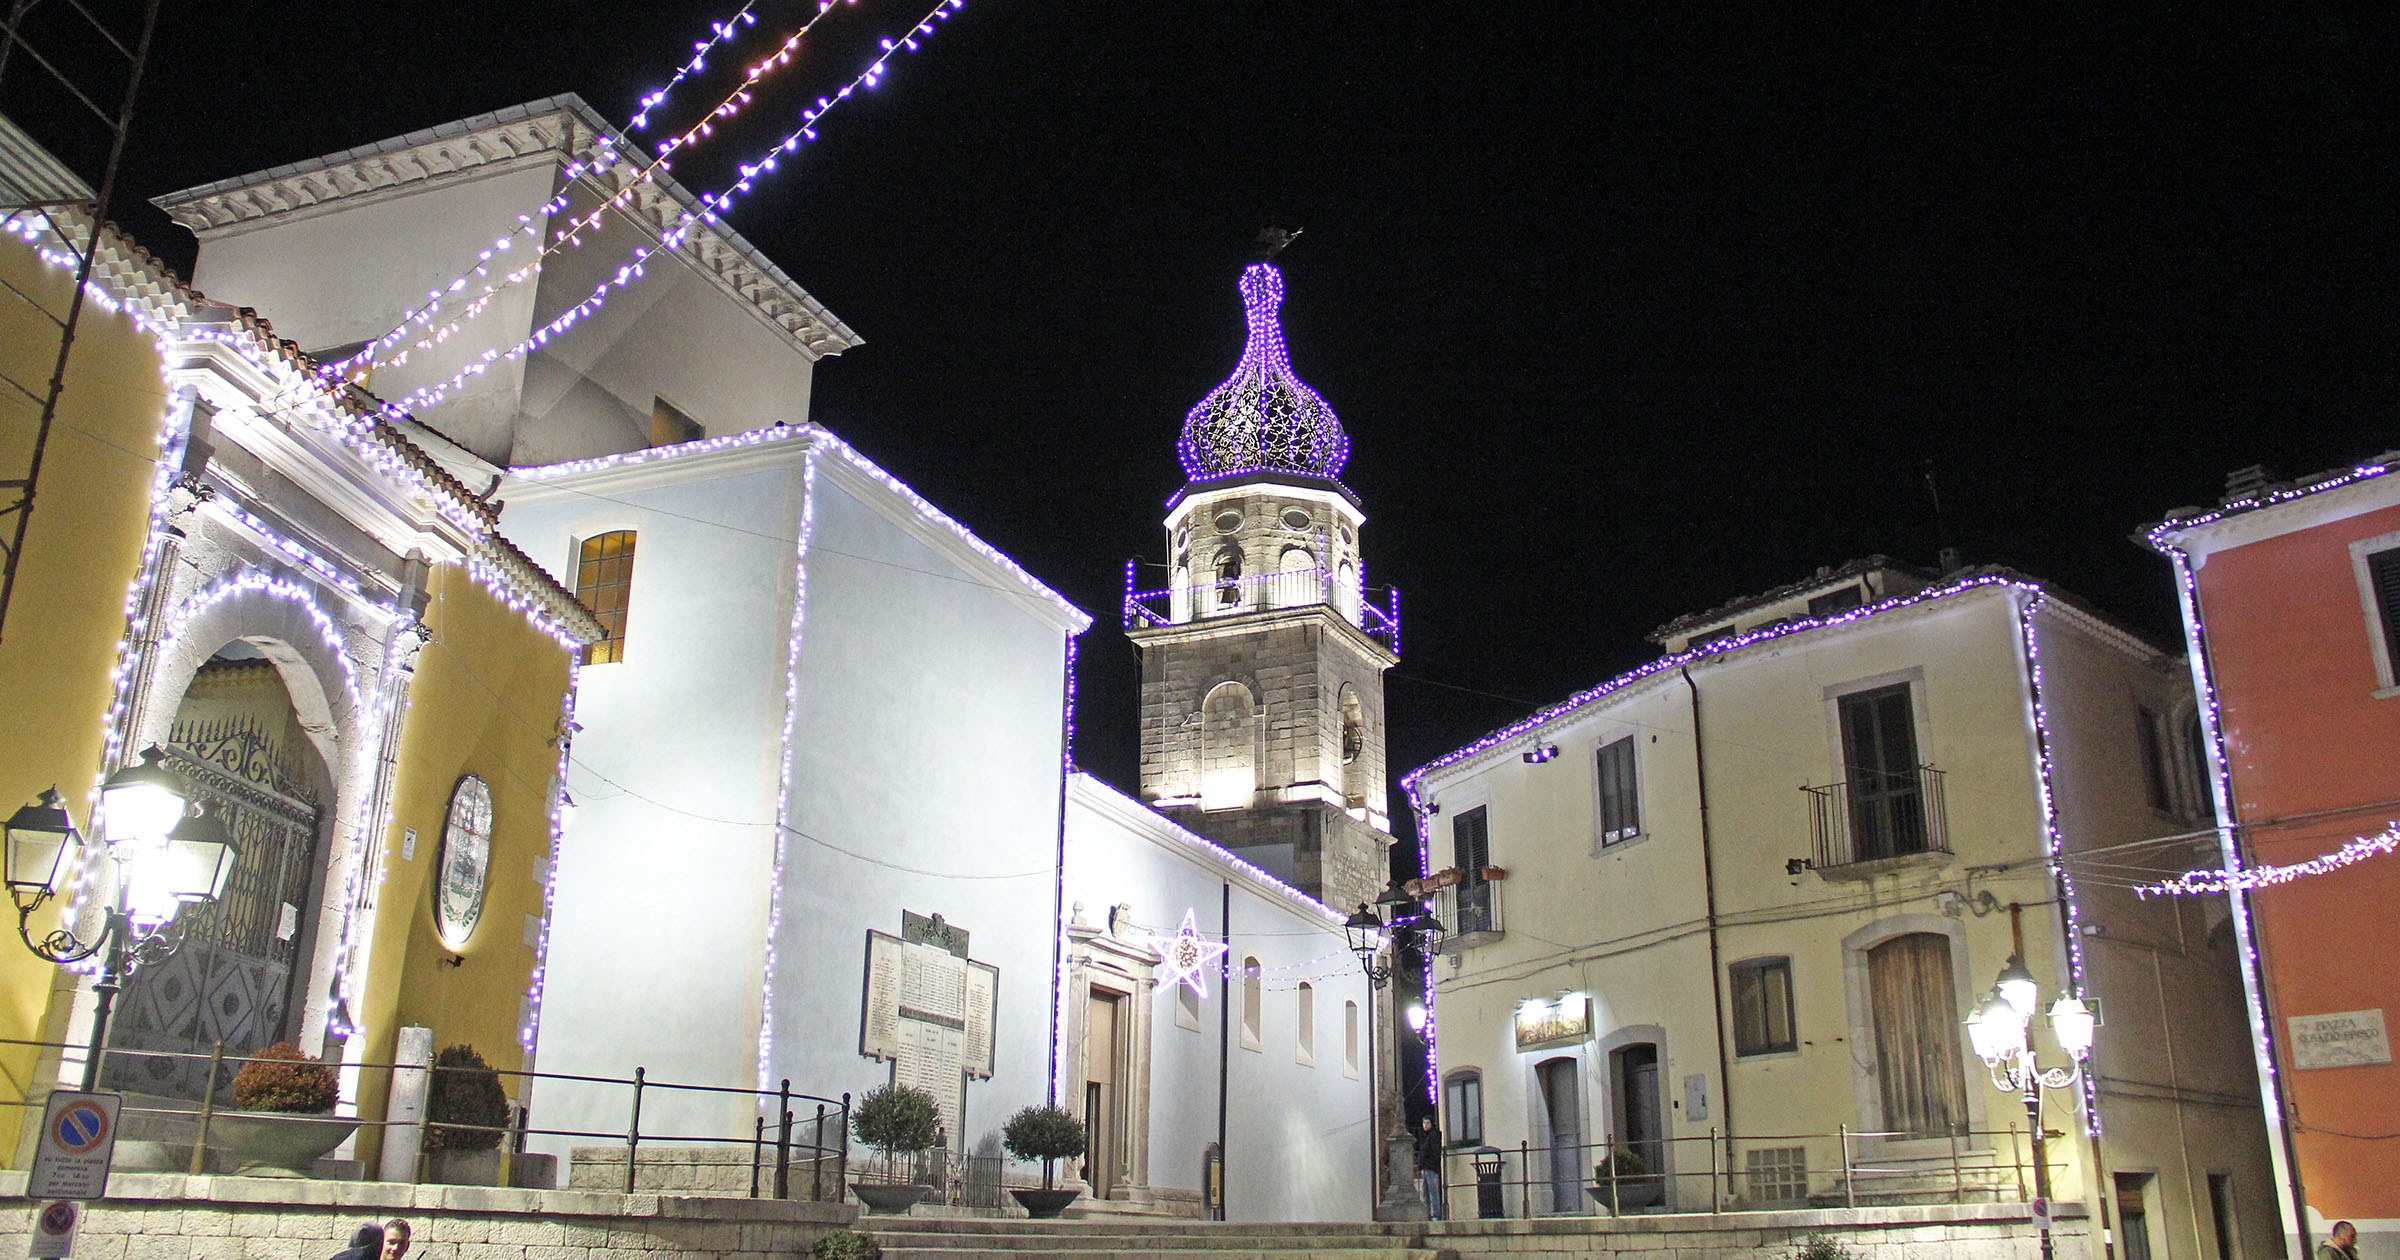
x=1103, y=1097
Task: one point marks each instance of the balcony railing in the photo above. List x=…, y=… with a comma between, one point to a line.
x=1471, y=911
x=1878, y=814
x=1263, y=592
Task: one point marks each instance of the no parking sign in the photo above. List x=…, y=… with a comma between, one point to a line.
x=54, y=1230
x=79, y=1137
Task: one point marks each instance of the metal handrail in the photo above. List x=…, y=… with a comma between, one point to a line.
x=783, y=1100
x=1520, y=1182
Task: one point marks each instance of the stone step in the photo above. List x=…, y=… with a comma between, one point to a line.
x=1181, y=1253
x=1130, y=1226
x=1241, y=1240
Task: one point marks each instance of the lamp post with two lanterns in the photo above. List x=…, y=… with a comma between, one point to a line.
x=1397, y=918
x=2002, y=1032
x=168, y=856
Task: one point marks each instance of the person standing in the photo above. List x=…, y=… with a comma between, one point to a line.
x=2341, y=1243
x=1429, y=1165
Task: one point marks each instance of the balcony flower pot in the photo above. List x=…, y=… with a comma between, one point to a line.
x=885, y=1199
x=1494, y=874
x=1629, y=1194
x=280, y=1143
x=463, y=1168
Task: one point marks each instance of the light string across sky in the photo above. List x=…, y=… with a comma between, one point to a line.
x=2209, y=880
x=711, y=207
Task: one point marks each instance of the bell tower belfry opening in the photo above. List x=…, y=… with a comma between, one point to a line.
x=1263, y=658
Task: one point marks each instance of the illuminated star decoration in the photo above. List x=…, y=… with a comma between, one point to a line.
x=1185, y=956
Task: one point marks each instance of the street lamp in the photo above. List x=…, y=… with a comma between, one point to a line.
x=2001, y=1032
x=1398, y=918
x=165, y=859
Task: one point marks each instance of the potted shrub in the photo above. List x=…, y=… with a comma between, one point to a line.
x=1633, y=1186
x=1046, y=1133
x=466, y=1115
x=286, y=1121
x=897, y=1120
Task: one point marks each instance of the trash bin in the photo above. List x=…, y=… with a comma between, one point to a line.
x=1489, y=1205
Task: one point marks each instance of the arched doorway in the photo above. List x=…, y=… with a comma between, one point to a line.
x=245, y=755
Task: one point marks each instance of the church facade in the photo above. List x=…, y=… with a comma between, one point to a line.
x=823, y=827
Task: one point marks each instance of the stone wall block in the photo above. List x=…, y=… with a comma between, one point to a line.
x=529, y=1232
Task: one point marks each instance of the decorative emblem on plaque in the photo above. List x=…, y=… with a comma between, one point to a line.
x=1184, y=957
x=466, y=865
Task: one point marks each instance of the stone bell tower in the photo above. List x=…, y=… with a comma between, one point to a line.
x=1262, y=660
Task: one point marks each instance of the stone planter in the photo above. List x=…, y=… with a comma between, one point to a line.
x=1044, y=1205
x=884, y=1199
x=279, y=1143
x=1630, y=1194
x=463, y=1168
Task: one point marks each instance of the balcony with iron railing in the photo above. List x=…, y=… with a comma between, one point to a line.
x=1263, y=592
x=1877, y=816
x=1471, y=912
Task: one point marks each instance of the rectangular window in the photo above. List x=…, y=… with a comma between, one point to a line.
x=1471, y=844
x=670, y=427
x=1620, y=804
x=1879, y=755
x=1350, y=1040
x=2220, y=1211
x=2154, y=759
x=1251, y=1004
x=2383, y=575
x=1462, y=1109
x=1187, y=1007
x=604, y=584
x=1762, y=1007
x=1307, y=1015
x=1832, y=602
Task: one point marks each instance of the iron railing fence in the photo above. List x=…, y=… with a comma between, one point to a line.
x=1471, y=911
x=1719, y=1173
x=1878, y=814
x=797, y=1142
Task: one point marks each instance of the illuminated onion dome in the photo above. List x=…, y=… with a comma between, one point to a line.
x=1263, y=418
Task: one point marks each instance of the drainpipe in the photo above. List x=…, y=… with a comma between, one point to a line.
x=1708, y=882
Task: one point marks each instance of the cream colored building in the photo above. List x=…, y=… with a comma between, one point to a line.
x=1731, y=909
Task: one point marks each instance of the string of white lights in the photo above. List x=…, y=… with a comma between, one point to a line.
x=2208, y=881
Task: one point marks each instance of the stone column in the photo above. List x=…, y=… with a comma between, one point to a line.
x=404, y=1110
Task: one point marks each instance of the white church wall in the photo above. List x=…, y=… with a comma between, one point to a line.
x=661, y=893
x=1296, y=1135
x=672, y=334
x=924, y=778
x=355, y=270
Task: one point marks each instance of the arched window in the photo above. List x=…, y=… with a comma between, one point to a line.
x=1346, y=592
x=1179, y=595
x=1296, y=582
x=1306, y=1013
x=1229, y=578
x=1228, y=748
x=604, y=583
x=1252, y=1001
x=1350, y=1039
x=1354, y=742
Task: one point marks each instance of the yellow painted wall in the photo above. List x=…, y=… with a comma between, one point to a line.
x=485, y=701
x=66, y=616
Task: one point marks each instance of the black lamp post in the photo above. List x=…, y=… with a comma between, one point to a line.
x=1399, y=918
x=166, y=859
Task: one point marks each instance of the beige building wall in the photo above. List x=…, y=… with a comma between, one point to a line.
x=1628, y=924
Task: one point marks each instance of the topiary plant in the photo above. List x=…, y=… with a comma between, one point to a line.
x=467, y=1111
x=897, y=1119
x=281, y=1078
x=1045, y=1133
x=846, y=1244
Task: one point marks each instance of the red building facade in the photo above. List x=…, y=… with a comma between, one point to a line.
x=2291, y=605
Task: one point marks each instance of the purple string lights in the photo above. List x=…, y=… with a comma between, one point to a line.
x=1263, y=418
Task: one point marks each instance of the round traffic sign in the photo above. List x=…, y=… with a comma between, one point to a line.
x=81, y=1127
x=58, y=1218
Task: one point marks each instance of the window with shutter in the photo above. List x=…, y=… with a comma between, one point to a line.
x=1620, y=805
x=2383, y=573
x=1471, y=844
x=1879, y=747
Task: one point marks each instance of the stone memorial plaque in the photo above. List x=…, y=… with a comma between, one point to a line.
x=2342, y=1039
x=929, y=1011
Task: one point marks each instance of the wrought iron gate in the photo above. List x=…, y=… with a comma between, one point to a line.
x=232, y=981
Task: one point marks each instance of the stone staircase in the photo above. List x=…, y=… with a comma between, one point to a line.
x=920, y=1238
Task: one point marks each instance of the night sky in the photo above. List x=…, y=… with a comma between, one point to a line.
x=1628, y=309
